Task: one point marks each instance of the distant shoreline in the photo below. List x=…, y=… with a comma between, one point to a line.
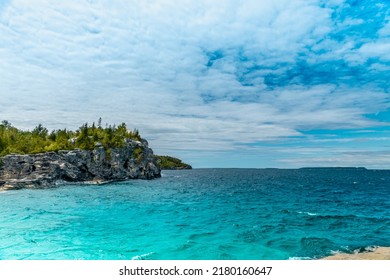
x=296, y=168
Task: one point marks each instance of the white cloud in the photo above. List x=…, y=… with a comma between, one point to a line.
x=385, y=30
x=191, y=75
x=379, y=49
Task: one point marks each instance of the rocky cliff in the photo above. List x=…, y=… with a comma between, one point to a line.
x=135, y=160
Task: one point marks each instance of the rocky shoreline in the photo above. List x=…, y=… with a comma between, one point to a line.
x=135, y=160
x=377, y=253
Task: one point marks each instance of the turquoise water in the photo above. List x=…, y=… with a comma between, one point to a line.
x=201, y=214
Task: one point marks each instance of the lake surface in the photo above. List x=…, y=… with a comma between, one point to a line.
x=201, y=214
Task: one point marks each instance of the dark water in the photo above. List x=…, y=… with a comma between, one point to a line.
x=202, y=214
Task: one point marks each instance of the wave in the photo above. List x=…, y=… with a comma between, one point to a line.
x=350, y=217
x=316, y=216
x=284, y=211
x=308, y=213
x=143, y=256
x=366, y=249
x=299, y=258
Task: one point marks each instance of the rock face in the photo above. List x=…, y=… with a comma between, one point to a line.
x=133, y=161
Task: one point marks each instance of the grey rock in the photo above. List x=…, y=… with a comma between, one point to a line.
x=45, y=170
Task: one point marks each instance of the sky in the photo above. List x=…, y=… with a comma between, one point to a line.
x=255, y=83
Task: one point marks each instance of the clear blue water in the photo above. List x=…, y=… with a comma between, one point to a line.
x=201, y=214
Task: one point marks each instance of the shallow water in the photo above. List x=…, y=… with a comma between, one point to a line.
x=201, y=214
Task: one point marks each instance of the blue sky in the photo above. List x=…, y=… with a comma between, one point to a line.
x=217, y=83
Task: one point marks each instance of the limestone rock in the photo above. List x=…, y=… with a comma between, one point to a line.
x=133, y=161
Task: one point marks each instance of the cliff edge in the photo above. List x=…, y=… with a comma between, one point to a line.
x=135, y=160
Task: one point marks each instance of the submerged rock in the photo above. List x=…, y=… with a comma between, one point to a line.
x=135, y=160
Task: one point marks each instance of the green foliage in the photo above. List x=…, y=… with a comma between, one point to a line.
x=13, y=140
x=137, y=154
x=108, y=154
x=167, y=162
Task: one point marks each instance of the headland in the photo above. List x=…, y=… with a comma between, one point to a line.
x=93, y=154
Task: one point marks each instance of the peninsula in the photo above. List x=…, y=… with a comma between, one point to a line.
x=171, y=163
x=93, y=154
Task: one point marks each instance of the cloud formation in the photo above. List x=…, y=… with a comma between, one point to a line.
x=201, y=77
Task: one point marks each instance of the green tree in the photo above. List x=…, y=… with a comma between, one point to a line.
x=13, y=140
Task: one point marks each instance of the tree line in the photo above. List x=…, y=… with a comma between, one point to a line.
x=87, y=137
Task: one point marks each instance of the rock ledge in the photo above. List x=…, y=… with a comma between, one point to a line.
x=135, y=160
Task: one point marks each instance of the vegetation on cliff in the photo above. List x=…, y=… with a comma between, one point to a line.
x=87, y=137
x=167, y=162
